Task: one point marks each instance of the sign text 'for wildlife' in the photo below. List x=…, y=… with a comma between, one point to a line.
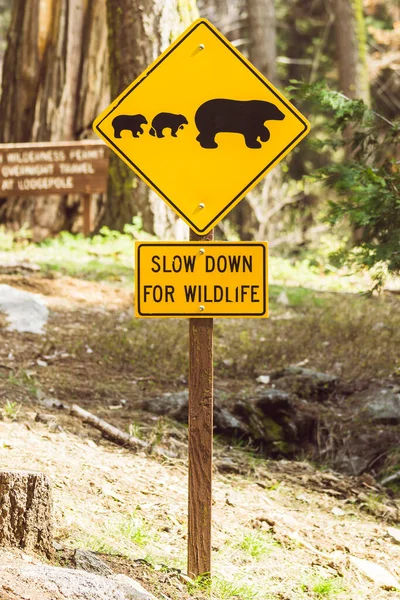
x=201, y=279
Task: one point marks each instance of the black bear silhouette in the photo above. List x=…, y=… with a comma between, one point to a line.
x=167, y=121
x=246, y=117
x=131, y=123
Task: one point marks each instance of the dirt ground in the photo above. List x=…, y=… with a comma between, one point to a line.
x=281, y=530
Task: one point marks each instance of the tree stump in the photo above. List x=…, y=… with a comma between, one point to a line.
x=26, y=511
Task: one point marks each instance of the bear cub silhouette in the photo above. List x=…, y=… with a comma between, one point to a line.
x=131, y=123
x=246, y=117
x=167, y=121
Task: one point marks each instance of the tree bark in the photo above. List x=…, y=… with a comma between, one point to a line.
x=21, y=70
x=352, y=49
x=351, y=45
x=252, y=214
x=26, y=511
x=138, y=31
x=229, y=16
x=262, y=28
x=56, y=75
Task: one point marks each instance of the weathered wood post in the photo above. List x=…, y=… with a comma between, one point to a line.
x=26, y=511
x=200, y=420
x=86, y=214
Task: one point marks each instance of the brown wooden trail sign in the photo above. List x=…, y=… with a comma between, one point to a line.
x=45, y=168
x=201, y=126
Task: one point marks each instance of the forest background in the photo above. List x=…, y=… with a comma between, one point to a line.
x=63, y=61
x=307, y=402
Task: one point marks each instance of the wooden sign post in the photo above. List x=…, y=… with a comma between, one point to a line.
x=87, y=225
x=201, y=279
x=201, y=126
x=200, y=421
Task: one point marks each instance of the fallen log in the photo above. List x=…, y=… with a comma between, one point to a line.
x=26, y=511
x=109, y=431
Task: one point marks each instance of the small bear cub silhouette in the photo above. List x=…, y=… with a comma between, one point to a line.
x=131, y=123
x=167, y=121
x=246, y=117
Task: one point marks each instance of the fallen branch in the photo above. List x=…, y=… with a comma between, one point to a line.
x=109, y=431
x=390, y=478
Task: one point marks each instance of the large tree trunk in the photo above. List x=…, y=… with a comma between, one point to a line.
x=55, y=82
x=21, y=73
x=262, y=36
x=138, y=31
x=229, y=16
x=351, y=46
x=26, y=511
x=352, y=49
x=254, y=214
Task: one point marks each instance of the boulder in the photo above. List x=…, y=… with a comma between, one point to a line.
x=277, y=421
x=306, y=383
x=88, y=561
x=171, y=404
x=26, y=312
x=381, y=404
x=44, y=582
x=228, y=424
x=175, y=406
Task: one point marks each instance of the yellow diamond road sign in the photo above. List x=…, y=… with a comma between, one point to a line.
x=201, y=126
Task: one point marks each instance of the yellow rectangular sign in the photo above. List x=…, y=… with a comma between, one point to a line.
x=201, y=279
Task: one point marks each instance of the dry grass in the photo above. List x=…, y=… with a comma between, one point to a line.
x=347, y=335
x=112, y=501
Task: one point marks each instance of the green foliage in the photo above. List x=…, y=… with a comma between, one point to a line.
x=222, y=588
x=120, y=535
x=134, y=429
x=227, y=590
x=366, y=182
x=323, y=588
x=256, y=544
x=134, y=529
x=11, y=410
x=108, y=255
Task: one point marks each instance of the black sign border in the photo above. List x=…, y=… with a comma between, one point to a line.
x=200, y=245
x=243, y=191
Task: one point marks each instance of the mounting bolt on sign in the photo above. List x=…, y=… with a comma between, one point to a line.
x=201, y=126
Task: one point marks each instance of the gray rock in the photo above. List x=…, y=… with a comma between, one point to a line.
x=88, y=561
x=174, y=405
x=132, y=587
x=26, y=312
x=44, y=582
x=277, y=421
x=263, y=379
x=273, y=401
x=382, y=405
x=228, y=465
x=225, y=422
x=306, y=383
x=48, y=402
